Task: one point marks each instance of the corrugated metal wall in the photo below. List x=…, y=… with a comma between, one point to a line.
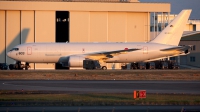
x=109, y=27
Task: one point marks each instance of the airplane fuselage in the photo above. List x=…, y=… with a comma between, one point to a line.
x=52, y=52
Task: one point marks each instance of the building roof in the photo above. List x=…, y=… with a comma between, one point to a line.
x=76, y=0
x=71, y=5
x=194, y=37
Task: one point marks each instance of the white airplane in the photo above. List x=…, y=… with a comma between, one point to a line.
x=73, y=54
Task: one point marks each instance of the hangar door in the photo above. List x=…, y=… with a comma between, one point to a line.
x=62, y=30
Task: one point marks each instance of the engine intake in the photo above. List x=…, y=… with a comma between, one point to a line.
x=186, y=51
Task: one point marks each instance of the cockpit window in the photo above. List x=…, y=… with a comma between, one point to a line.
x=14, y=49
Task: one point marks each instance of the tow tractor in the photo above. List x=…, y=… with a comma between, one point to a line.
x=91, y=64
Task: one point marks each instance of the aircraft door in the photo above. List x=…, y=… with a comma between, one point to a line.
x=29, y=50
x=145, y=50
x=145, y=53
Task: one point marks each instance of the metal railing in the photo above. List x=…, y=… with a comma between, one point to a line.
x=191, y=21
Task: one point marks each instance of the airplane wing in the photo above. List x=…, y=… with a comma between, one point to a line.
x=107, y=54
x=178, y=48
x=112, y=52
x=102, y=55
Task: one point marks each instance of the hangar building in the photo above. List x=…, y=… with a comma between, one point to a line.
x=23, y=21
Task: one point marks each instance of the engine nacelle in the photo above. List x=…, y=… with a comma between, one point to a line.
x=186, y=51
x=75, y=61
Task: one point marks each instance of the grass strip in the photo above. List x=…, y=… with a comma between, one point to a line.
x=101, y=75
x=96, y=99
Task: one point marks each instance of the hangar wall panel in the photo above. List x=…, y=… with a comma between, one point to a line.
x=98, y=26
x=79, y=27
x=45, y=26
x=137, y=27
x=45, y=32
x=12, y=31
x=109, y=26
x=117, y=26
x=147, y=27
x=27, y=28
x=45, y=66
x=188, y=27
x=2, y=37
x=197, y=27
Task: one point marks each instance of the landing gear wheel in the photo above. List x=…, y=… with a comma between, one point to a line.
x=27, y=66
x=104, y=68
x=18, y=65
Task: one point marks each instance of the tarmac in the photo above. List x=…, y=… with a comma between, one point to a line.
x=103, y=86
x=188, y=67
x=135, y=108
x=111, y=86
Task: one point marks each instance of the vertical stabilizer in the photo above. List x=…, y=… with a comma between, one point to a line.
x=172, y=34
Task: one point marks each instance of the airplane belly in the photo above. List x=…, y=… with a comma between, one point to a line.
x=53, y=58
x=129, y=57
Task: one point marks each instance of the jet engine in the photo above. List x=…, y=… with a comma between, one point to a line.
x=186, y=51
x=75, y=61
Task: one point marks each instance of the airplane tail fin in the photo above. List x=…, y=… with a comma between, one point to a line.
x=172, y=34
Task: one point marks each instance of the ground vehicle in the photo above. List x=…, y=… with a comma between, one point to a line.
x=3, y=66
x=12, y=66
x=151, y=65
x=164, y=65
x=173, y=65
x=91, y=64
x=159, y=64
x=134, y=65
x=142, y=65
x=124, y=66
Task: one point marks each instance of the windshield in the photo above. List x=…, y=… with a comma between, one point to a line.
x=96, y=63
x=14, y=49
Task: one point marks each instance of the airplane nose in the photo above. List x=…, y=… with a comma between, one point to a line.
x=9, y=54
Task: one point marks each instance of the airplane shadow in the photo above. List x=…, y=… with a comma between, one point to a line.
x=15, y=41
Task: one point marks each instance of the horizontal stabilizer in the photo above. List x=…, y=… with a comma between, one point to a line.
x=178, y=48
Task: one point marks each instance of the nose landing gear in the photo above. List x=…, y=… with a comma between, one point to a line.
x=27, y=66
x=19, y=66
